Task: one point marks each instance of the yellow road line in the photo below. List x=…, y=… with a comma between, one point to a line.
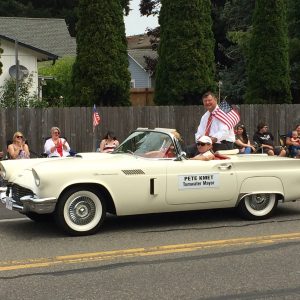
x=140, y=252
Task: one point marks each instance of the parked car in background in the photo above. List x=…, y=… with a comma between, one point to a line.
x=147, y=173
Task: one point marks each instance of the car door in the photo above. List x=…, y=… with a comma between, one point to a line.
x=192, y=181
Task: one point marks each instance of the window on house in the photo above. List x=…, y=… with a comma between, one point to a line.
x=132, y=83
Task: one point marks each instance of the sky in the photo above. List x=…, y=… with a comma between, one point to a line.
x=134, y=23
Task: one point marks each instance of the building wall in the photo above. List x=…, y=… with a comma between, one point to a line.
x=139, y=75
x=27, y=58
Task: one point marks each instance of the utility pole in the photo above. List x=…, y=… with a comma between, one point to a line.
x=17, y=82
x=219, y=85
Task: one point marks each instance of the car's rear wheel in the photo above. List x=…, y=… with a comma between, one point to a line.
x=80, y=211
x=258, y=206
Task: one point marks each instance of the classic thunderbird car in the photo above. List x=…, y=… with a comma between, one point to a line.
x=147, y=173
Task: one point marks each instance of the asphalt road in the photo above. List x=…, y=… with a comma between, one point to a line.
x=193, y=255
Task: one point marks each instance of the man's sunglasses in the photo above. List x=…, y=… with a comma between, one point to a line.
x=201, y=144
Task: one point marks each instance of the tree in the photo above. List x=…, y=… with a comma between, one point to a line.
x=100, y=73
x=294, y=33
x=25, y=99
x=268, y=63
x=60, y=86
x=237, y=19
x=185, y=67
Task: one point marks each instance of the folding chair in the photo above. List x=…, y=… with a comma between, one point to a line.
x=282, y=142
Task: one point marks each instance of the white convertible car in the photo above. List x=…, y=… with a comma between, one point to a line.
x=147, y=173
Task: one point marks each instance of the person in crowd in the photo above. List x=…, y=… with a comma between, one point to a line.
x=204, y=146
x=242, y=141
x=56, y=146
x=265, y=141
x=293, y=141
x=18, y=149
x=109, y=142
x=222, y=137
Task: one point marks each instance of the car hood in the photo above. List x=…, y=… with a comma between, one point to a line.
x=12, y=167
x=87, y=163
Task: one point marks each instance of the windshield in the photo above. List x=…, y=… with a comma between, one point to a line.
x=148, y=144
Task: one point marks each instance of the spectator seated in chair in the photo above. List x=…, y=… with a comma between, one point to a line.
x=242, y=141
x=293, y=142
x=265, y=140
x=18, y=149
x=56, y=146
x=109, y=143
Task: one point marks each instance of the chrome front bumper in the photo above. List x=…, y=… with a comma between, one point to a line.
x=29, y=204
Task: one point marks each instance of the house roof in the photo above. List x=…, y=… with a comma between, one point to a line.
x=139, y=54
x=45, y=54
x=49, y=35
x=140, y=41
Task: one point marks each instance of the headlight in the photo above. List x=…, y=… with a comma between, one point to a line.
x=37, y=179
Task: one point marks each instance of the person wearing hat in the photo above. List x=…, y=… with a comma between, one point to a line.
x=222, y=137
x=204, y=147
x=56, y=146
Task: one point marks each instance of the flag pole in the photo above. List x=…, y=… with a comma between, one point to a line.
x=94, y=140
x=219, y=85
x=96, y=121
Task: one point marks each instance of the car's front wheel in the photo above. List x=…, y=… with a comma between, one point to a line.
x=257, y=206
x=80, y=211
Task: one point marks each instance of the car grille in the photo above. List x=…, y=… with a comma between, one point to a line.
x=18, y=192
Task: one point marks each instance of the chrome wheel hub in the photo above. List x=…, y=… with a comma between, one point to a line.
x=259, y=201
x=82, y=210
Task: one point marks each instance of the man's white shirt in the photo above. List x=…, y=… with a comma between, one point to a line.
x=218, y=129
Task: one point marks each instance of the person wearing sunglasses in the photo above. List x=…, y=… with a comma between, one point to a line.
x=56, y=146
x=204, y=147
x=18, y=149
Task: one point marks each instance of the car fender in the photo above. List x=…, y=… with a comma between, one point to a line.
x=261, y=184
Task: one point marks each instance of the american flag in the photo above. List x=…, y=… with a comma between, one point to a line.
x=226, y=114
x=96, y=117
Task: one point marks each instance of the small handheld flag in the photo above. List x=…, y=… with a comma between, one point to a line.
x=227, y=114
x=96, y=118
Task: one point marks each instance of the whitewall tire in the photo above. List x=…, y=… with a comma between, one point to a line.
x=81, y=211
x=258, y=206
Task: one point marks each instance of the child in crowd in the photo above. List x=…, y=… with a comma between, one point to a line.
x=295, y=137
x=295, y=147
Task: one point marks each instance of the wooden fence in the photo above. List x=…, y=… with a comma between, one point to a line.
x=76, y=122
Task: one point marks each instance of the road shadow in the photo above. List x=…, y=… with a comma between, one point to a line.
x=204, y=219
x=175, y=221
